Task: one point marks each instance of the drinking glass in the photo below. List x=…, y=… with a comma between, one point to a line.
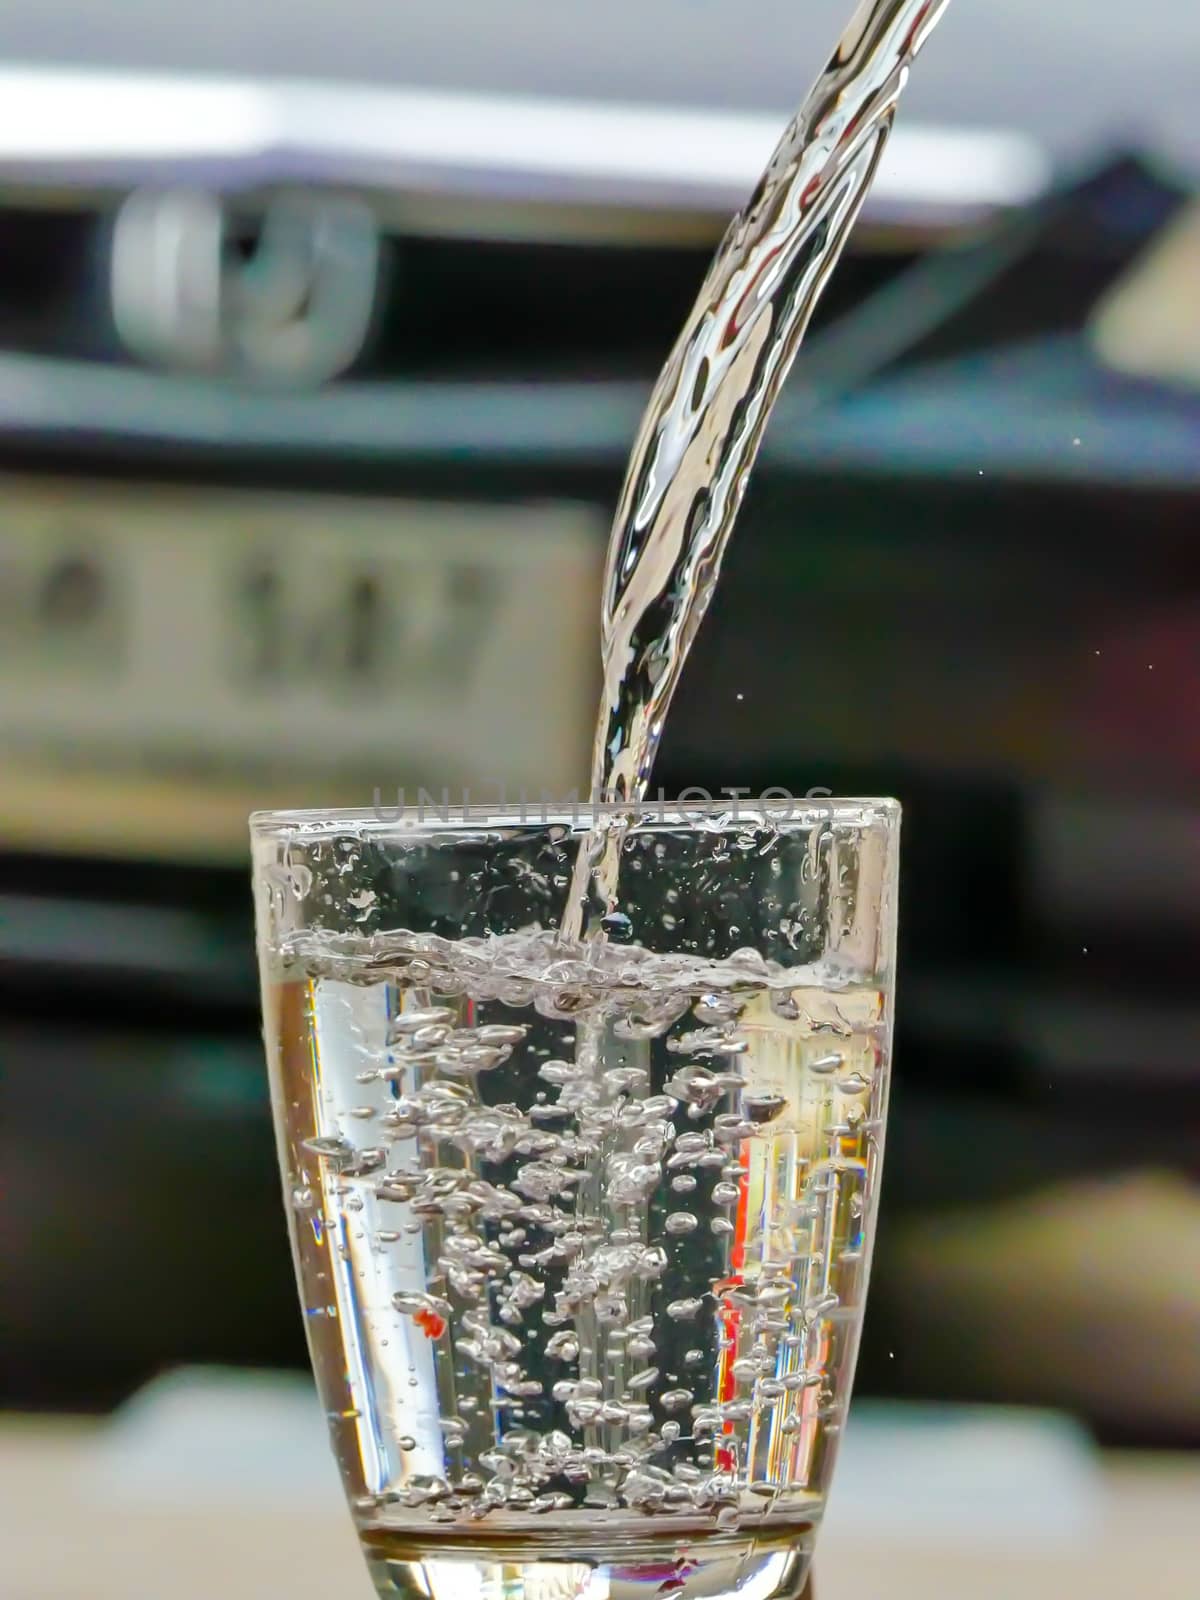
x=582, y=1231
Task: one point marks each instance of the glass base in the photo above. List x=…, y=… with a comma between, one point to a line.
x=750, y=1566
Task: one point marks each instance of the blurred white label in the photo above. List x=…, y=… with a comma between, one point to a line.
x=261, y=637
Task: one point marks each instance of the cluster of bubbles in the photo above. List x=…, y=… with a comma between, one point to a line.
x=643, y=992
x=537, y=1223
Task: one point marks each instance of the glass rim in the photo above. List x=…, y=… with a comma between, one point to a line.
x=431, y=818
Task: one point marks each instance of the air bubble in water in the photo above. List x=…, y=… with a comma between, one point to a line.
x=410, y=1021
x=853, y=1084
x=643, y=1379
x=762, y=1106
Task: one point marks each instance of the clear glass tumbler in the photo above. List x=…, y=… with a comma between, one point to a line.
x=582, y=1231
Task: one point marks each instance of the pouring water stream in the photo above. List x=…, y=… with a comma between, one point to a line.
x=702, y=428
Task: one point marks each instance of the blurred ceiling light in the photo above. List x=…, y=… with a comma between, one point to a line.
x=642, y=156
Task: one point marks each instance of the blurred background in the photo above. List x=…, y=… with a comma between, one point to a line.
x=324, y=334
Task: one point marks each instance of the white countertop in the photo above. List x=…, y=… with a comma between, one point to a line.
x=218, y=1484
